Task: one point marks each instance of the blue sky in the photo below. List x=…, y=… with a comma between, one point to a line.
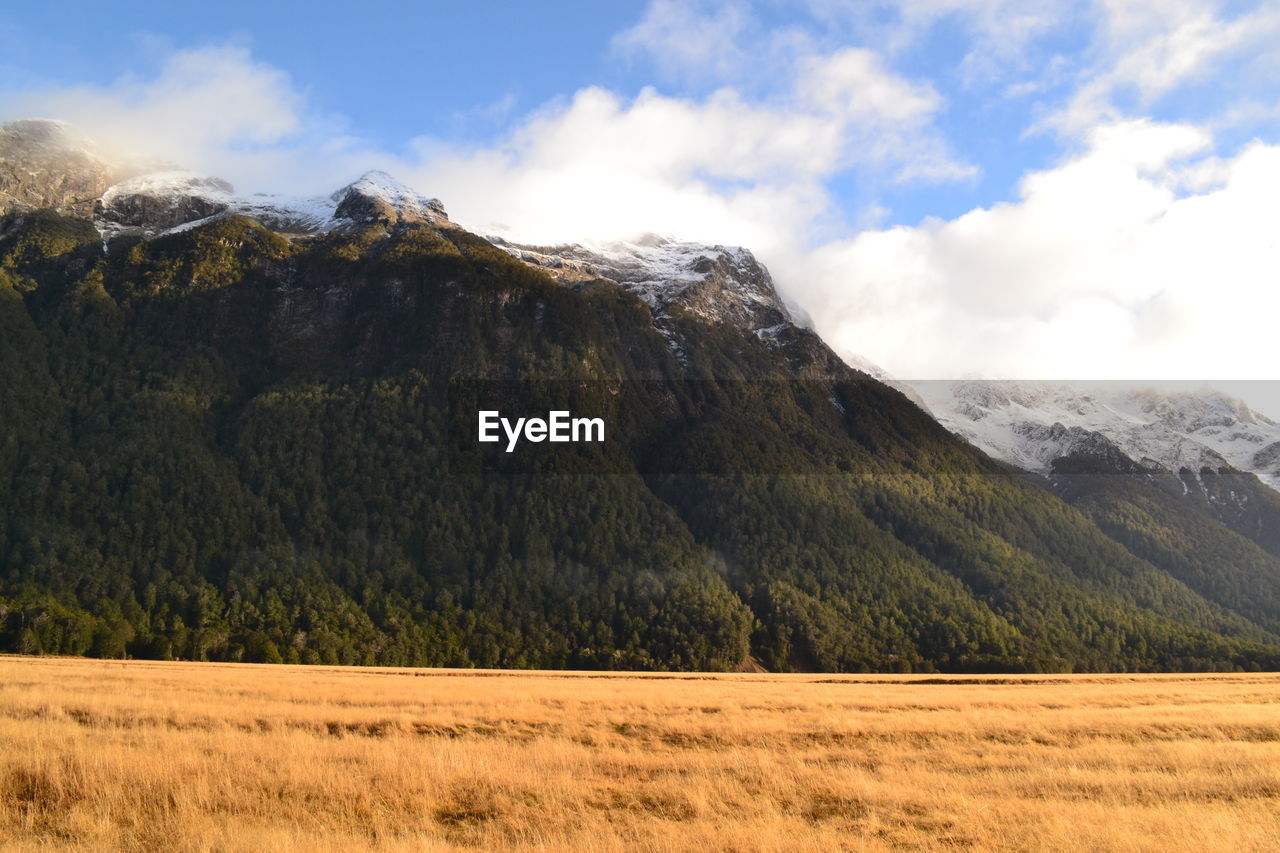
x=393, y=70
x=390, y=73
x=1063, y=189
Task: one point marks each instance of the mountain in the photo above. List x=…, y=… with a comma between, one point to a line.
x=1209, y=450
x=159, y=203
x=1031, y=424
x=722, y=284
x=49, y=164
x=1180, y=479
x=232, y=433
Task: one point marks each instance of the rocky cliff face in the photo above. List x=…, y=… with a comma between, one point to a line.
x=378, y=197
x=154, y=203
x=164, y=200
x=47, y=164
x=722, y=284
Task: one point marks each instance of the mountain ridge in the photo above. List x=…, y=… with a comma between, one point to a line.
x=723, y=283
x=1172, y=430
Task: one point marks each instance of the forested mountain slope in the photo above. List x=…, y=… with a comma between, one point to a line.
x=224, y=444
x=232, y=443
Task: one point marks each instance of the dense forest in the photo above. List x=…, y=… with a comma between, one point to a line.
x=224, y=444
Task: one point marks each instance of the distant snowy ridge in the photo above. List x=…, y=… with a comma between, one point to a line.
x=1032, y=424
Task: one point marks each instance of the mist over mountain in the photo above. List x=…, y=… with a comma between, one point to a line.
x=239, y=427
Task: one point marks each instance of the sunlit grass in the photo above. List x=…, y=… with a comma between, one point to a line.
x=177, y=756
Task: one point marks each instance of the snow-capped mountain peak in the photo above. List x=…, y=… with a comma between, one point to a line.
x=378, y=196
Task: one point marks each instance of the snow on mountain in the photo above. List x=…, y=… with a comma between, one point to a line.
x=1032, y=424
x=377, y=195
x=162, y=202
x=45, y=163
x=719, y=283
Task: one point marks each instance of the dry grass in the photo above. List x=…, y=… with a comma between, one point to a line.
x=174, y=756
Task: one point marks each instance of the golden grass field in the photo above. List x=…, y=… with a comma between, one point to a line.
x=140, y=755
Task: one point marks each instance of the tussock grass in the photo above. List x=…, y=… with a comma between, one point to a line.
x=98, y=755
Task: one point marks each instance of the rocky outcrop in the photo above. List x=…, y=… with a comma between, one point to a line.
x=718, y=283
x=46, y=164
x=158, y=202
x=1266, y=462
x=378, y=197
x=164, y=200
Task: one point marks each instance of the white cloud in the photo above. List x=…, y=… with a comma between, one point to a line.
x=202, y=100
x=853, y=82
x=999, y=32
x=722, y=167
x=1146, y=50
x=690, y=39
x=1103, y=268
x=602, y=167
x=883, y=119
x=1088, y=62
x=213, y=109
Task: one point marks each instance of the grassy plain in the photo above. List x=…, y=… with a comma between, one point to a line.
x=180, y=756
